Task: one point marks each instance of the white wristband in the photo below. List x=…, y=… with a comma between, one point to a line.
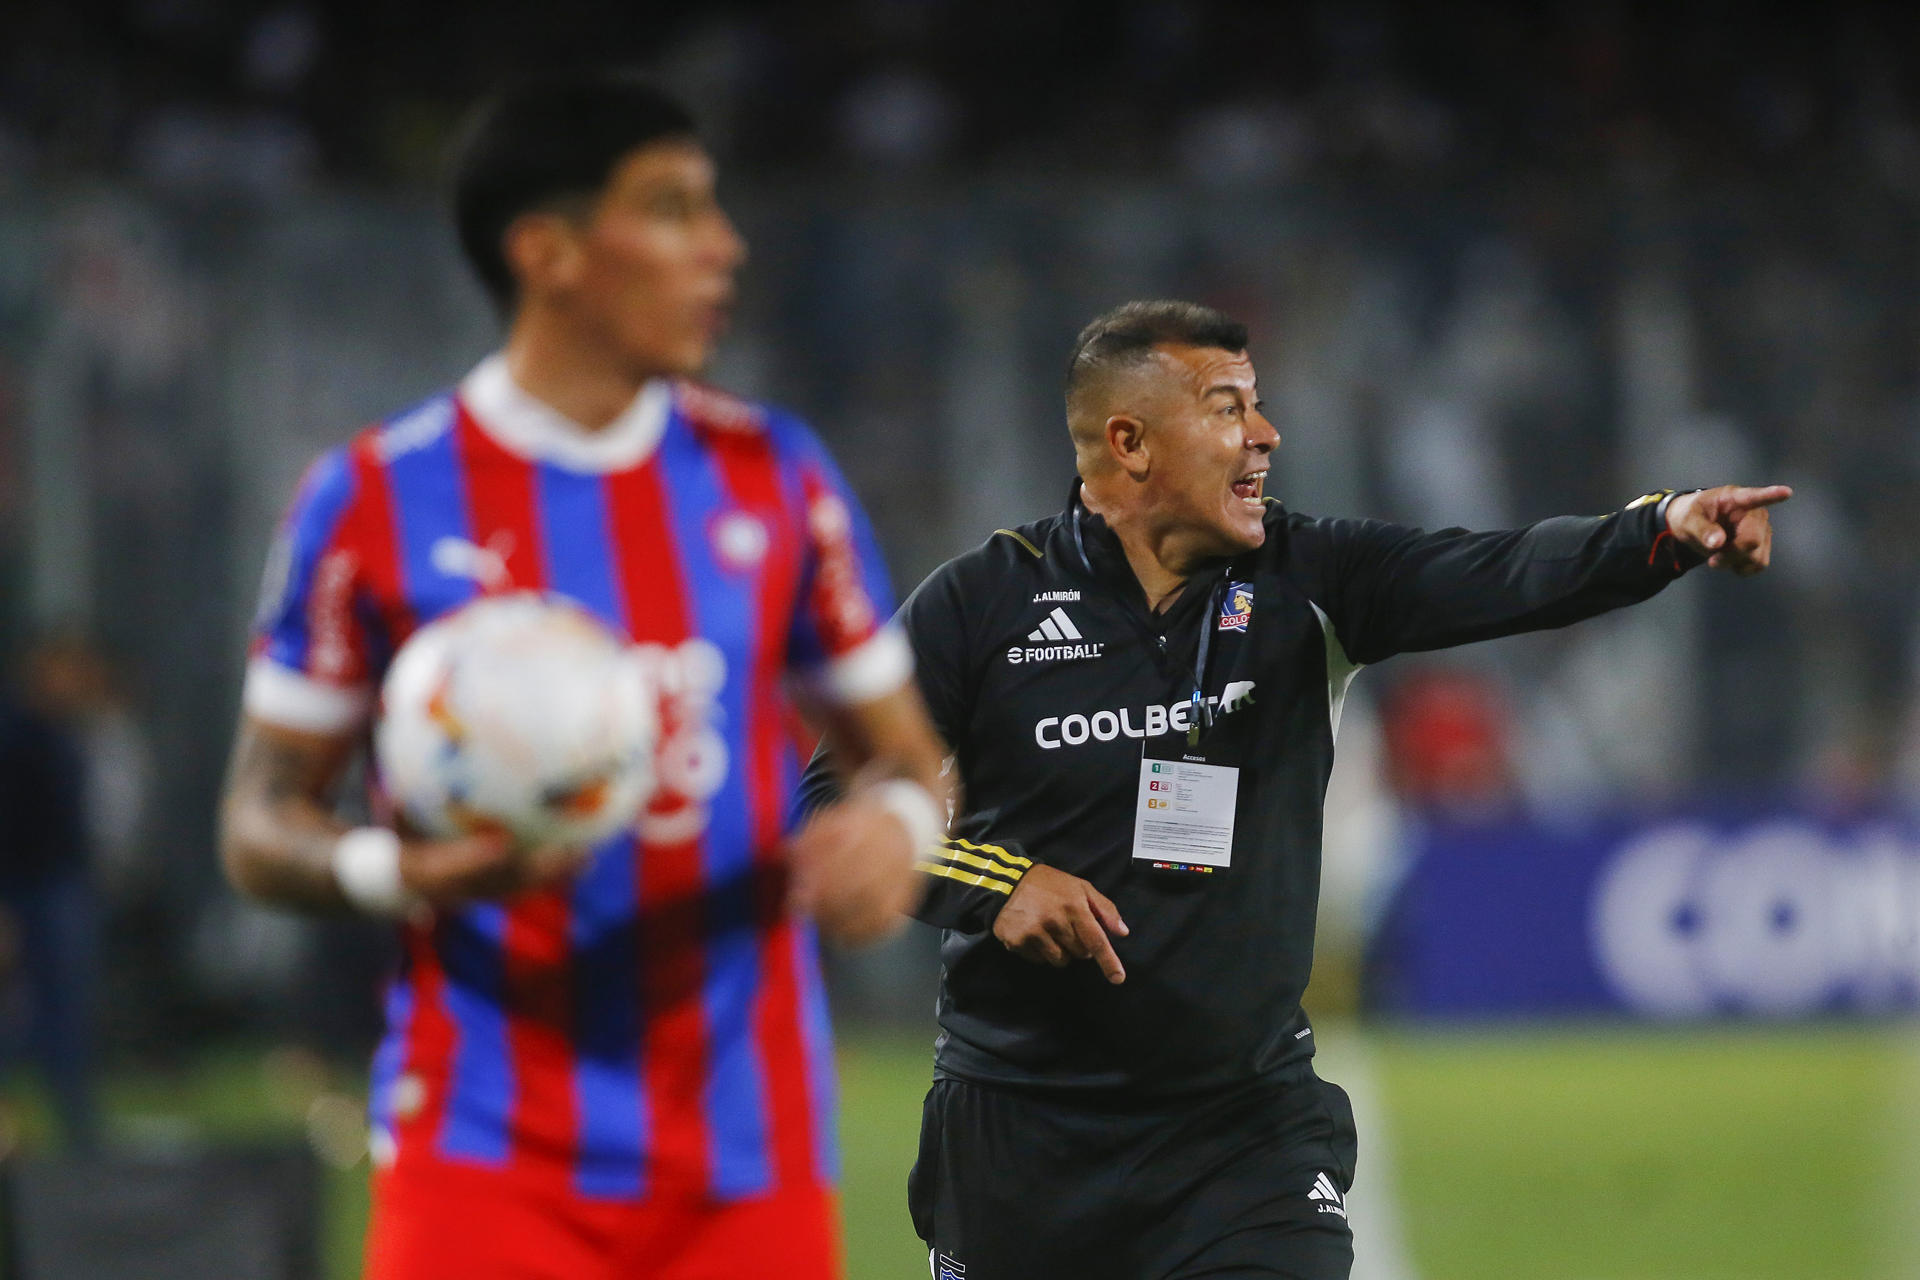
x=366, y=865
x=924, y=817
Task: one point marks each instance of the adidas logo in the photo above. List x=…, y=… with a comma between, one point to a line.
x=1055, y=626
x=1057, y=638
x=1328, y=1195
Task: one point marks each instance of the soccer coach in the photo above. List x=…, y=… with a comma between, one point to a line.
x=1142, y=694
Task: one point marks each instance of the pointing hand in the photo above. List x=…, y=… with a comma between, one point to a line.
x=1729, y=525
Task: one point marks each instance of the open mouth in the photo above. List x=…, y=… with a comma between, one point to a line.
x=1250, y=488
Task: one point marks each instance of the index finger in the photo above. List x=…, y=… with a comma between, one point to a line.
x=1106, y=913
x=1758, y=496
x=1099, y=948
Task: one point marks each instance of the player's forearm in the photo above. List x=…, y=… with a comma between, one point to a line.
x=277, y=836
x=889, y=737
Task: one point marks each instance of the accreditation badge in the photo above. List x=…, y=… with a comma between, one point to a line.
x=1183, y=814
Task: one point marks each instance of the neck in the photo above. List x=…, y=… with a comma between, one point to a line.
x=1161, y=557
x=577, y=378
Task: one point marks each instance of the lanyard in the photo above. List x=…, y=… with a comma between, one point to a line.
x=1197, y=709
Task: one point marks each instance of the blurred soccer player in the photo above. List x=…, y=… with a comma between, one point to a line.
x=618, y=1066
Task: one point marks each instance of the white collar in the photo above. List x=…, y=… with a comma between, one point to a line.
x=540, y=433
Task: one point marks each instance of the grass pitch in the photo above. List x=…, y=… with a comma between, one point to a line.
x=1567, y=1154
x=1611, y=1155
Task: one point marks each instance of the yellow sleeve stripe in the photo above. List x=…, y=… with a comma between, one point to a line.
x=968, y=860
x=964, y=877
x=1037, y=553
x=1012, y=859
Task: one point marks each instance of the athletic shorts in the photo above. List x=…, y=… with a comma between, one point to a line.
x=1014, y=1185
x=441, y=1220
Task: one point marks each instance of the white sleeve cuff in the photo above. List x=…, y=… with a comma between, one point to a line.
x=294, y=700
x=880, y=665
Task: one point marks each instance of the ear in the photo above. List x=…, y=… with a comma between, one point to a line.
x=1127, y=445
x=542, y=251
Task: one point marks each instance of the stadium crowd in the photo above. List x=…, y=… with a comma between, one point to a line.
x=266, y=92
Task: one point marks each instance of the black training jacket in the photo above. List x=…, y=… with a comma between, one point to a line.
x=1044, y=669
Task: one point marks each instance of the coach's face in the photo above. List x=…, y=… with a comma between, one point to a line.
x=652, y=267
x=1208, y=442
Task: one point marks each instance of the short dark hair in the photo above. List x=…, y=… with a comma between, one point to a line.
x=1129, y=333
x=545, y=139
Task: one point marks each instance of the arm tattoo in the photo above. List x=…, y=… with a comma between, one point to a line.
x=277, y=827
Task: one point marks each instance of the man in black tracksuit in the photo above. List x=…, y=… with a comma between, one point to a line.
x=1142, y=694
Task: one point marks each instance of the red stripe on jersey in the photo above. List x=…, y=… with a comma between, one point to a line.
x=671, y=885
x=419, y=1104
x=502, y=520
x=841, y=608
x=501, y=516
x=374, y=528
x=420, y=1099
x=750, y=470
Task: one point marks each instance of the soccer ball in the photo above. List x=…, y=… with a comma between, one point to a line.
x=521, y=713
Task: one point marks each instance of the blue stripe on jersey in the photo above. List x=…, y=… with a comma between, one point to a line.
x=816, y=1030
x=735, y=1102
x=576, y=537
x=480, y=1099
x=391, y=1056
x=309, y=531
x=604, y=938
x=576, y=540
x=430, y=504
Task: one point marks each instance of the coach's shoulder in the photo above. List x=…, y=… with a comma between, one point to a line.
x=1305, y=546
x=1005, y=561
x=1024, y=547
x=1287, y=529
x=1302, y=532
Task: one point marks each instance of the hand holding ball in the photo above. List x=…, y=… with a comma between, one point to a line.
x=519, y=713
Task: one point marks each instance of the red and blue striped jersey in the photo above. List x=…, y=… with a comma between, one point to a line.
x=658, y=1024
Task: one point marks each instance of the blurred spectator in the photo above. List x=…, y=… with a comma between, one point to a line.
x=49, y=906
x=1447, y=744
x=71, y=682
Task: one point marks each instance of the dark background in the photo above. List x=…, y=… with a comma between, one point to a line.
x=1497, y=265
